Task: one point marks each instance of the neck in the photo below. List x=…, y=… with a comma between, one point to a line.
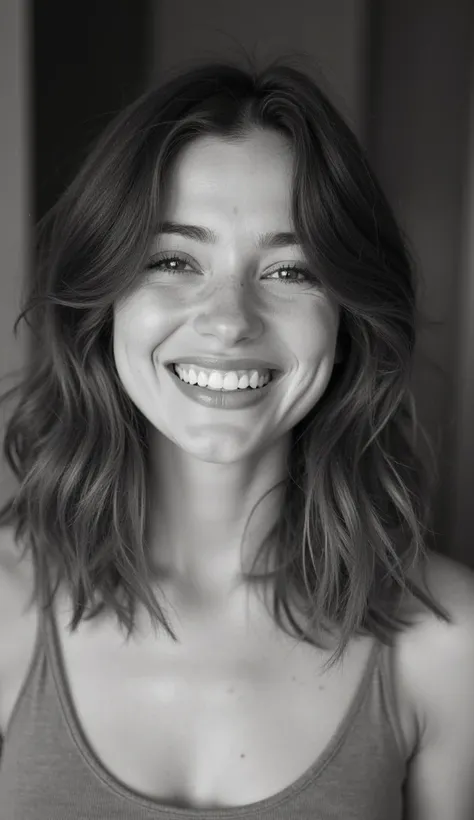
x=198, y=512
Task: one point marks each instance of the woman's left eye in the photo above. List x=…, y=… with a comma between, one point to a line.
x=295, y=269
x=292, y=270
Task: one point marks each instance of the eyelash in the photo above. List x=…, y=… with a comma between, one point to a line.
x=175, y=258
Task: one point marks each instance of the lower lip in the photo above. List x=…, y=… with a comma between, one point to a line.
x=223, y=399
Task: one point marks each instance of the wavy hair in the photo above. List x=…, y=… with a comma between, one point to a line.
x=356, y=508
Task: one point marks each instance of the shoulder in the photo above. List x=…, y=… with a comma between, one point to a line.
x=451, y=584
x=16, y=587
x=16, y=572
x=440, y=675
x=436, y=648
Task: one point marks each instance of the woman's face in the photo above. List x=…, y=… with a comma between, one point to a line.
x=231, y=298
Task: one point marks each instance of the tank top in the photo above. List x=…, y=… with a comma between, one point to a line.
x=49, y=772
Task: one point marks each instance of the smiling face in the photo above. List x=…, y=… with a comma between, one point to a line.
x=229, y=298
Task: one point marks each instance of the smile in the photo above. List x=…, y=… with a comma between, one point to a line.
x=221, y=397
x=223, y=380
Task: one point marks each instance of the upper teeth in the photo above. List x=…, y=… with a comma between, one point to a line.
x=222, y=379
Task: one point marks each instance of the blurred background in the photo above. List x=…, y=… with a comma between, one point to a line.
x=400, y=71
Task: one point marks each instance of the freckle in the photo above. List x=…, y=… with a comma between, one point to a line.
x=242, y=755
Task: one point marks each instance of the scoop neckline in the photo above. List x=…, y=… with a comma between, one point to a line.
x=163, y=810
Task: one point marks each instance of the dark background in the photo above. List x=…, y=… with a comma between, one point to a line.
x=89, y=60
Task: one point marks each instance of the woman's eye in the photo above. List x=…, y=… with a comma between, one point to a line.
x=293, y=273
x=168, y=263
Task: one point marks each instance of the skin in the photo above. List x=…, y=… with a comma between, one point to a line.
x=209, y=466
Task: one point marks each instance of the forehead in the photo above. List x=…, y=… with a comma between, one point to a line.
x=237, y=179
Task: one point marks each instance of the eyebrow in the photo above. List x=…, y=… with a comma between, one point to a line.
x=280, y=239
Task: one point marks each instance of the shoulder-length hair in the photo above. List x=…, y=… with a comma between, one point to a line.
x=357, y=495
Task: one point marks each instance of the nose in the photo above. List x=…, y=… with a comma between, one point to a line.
x=230, y=315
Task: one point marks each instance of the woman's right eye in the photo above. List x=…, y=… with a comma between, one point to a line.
x=170, y=260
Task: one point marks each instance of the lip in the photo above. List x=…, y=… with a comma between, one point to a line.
x=223, y=399
x=225, y=364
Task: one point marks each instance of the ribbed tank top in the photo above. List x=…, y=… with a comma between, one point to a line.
x=48, y=771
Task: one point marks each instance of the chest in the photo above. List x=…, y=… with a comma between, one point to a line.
x=205, y=723
x=201, y=730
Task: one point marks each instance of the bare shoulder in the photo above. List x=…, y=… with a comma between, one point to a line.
x=451, y=584
x=452, y=578
x=440, y=673
x=15, y=570
x=16, y=586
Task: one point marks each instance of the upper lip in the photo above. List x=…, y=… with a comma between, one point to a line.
x=225, y=364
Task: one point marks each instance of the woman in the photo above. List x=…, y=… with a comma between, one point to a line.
x=216, y=420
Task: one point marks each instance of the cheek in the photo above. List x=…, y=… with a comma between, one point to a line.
x=140, y=322
x=311, y=332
